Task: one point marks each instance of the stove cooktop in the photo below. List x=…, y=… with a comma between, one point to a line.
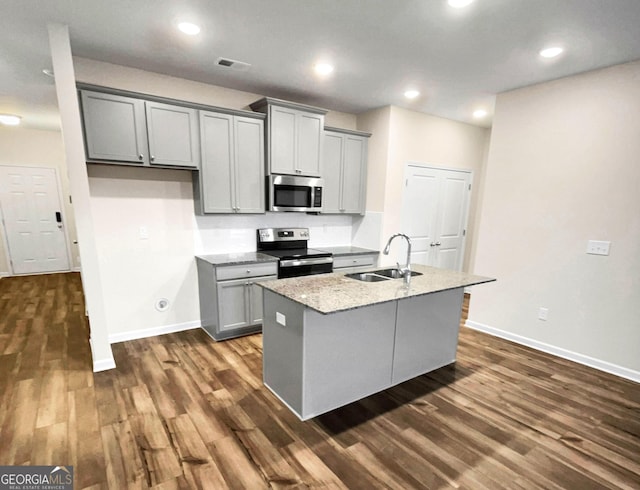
x=297, y=253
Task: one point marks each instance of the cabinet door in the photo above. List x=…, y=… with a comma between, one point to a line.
x=249, y=165
x=282, y=140
x=353, y=174
x=173, y=135
x=233, y=301
x=114, y=128
x=255, y=316
x=217, y=162
x=332, y=170
x=309, y=143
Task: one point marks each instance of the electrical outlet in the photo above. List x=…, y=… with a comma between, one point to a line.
x=543, y=314
x=281, y=319
x=596, y=247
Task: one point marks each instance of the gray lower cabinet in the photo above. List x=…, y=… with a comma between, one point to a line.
x=127, y=130
x=231, y=176
x=345, y=171
x=230, y=300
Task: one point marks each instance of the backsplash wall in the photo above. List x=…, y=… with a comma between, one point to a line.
x=237, y=233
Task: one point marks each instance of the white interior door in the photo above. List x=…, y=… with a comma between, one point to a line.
x=435, y=207
x=419, y=211
x=32, y=216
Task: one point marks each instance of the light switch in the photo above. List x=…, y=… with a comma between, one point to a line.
x=596, y=247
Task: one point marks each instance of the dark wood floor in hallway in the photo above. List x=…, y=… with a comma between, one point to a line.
x=182, y=411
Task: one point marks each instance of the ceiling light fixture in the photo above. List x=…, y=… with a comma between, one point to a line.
x=9, y=119
x=551, y=52
x=479, y=113
x=323, y=69
x=189, y=28
x=411, y=94
x=458, y=4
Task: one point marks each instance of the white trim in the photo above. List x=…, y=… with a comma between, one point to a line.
x=76, y=269
x=102, y=364
x=5, y=274
x=592, y=362
x=152, y=332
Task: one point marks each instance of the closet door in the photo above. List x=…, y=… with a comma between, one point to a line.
x=435, y=208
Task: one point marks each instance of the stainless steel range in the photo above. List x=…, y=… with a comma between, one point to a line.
x=295, y=258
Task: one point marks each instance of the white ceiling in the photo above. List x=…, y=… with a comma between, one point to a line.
x=458, y=59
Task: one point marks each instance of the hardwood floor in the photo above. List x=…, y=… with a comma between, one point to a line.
x=181, y=411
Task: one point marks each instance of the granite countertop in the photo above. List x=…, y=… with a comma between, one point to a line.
x=237, y=258
x=347, y=250
x=331, y=293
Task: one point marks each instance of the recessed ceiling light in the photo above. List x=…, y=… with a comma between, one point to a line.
x=323, y=69
x=189, y=28
x=411, y=94
x=479, y=113
x=551, y=52
x=458, y=4
x=9, y=119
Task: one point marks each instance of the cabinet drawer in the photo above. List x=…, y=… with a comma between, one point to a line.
x=246, y=270
x=354, y=261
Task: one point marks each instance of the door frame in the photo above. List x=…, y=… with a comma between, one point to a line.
x=5, y=240
x=405, y=176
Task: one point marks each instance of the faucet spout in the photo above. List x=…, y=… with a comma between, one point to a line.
x=406, y=270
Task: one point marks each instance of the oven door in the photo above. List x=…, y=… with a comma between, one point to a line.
x=291, y=193
x=304, y=267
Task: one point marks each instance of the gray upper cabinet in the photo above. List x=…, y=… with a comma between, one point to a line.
x=114, y=128
x=345, y=171
x=294, y=137
x=130, y=130
x=173, y=135
x=232, y=170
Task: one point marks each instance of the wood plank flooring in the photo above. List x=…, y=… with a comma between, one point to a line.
x=182, y=411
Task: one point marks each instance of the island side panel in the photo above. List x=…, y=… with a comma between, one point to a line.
x=426, y=333
x=282, y=349
x=347, y=356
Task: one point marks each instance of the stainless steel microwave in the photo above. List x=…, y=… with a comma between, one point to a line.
x=294, y=193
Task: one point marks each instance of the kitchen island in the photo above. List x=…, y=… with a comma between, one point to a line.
x=329, y=340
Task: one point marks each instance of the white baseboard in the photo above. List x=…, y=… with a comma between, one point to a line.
x=605, y=366
x=76, y=269
x=103, y=365
x=152, y=332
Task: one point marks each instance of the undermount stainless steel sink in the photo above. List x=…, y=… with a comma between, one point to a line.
x=367, y=277
x=379, y=275
x=393, y=273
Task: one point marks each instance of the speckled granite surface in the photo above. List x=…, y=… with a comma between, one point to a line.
x=347, y=250
x=236, y=259
x=331, y=293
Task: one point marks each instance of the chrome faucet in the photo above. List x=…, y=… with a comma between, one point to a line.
x=405, y=271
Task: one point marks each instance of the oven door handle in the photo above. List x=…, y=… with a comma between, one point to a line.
x=298, y=262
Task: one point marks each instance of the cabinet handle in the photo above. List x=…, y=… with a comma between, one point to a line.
x=438, y=244
x=141, y=156
x=152, y=158
x=432, y=244
x=248, y=272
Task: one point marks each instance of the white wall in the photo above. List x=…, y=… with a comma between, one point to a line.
x=418, y=137
x=36, y=148
x=137, y=272
x=563, y=169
